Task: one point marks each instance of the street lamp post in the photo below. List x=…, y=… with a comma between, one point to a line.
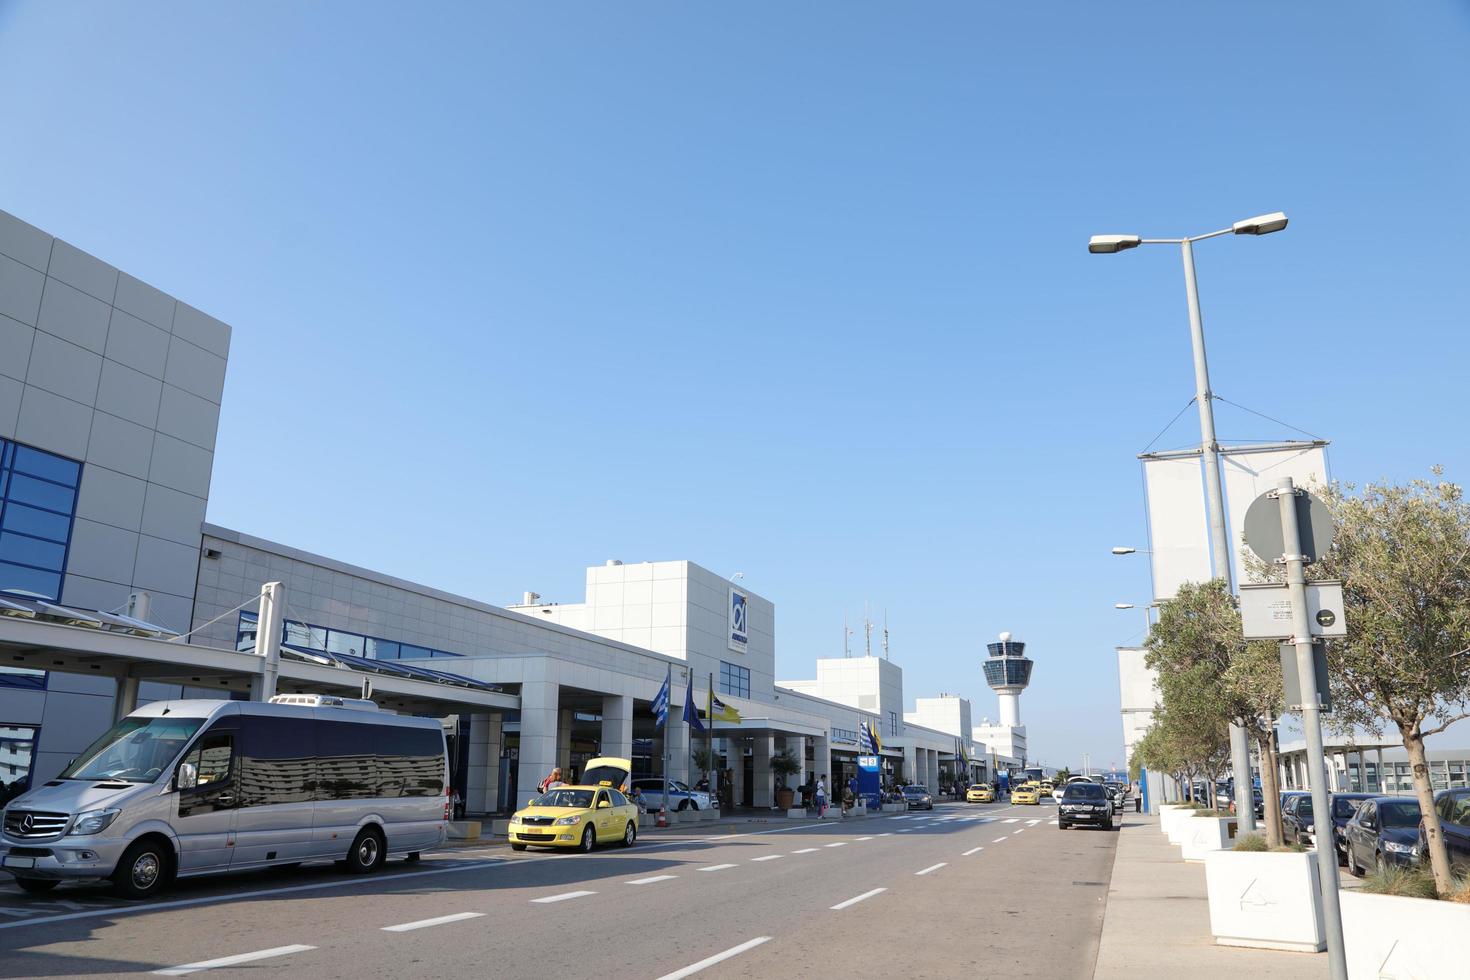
x=1240, y=753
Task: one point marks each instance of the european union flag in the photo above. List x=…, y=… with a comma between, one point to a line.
x=691, y=713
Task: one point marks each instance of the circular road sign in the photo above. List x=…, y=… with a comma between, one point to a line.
x=1263, y=526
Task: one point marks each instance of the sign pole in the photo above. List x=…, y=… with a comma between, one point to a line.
x=1286, y=494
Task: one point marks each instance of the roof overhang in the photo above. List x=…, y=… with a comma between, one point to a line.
x=49, y=646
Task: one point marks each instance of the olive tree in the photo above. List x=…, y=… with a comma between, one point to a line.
x=1205, y=666
x=1403, y=555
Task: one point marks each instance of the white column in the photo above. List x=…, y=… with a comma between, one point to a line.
x=676, y=734
x=796, y=745
x=268, y=631
x=1382, y=780
x=483, y=768
x=911, y=764
x=822, y=760
x=564, y=742
x=735, y=762
x=617, y=726
x=538, y=737
x=125, y=700
x=933, y=781
x=764, y=784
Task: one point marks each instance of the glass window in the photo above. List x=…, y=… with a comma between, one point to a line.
x=381, y=649
x=279, y=764
x=245, y=634
x=618, y=799
x=38, y=492
x=734, y=680
x=305, y=636
x=347, y=761
x=135, y=749
x=212, y=756
x=24, y=678
x=408, y=651
x=410, y=761
x=348, y=643
x=17, y=753
x=893, y=724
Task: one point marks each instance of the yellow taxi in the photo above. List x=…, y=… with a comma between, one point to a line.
x=1028, y=793
x=980, y=793
x=593, y=812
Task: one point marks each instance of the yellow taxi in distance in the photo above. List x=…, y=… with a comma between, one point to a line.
x=980, y=793
x=582, y=816
x=1027, y=793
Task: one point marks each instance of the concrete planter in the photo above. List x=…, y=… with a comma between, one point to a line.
x=1168, y=813
x=1389, y=936
x=1177, y=825
x=1269, y=901
x=796, y=813
x=464, y=830
x=1205, y=834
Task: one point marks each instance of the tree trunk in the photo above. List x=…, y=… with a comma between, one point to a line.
x=1439, y=858
x=1270, y=791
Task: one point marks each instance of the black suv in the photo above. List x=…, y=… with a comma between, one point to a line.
x=1085, y=803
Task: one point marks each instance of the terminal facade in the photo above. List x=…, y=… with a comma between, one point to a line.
x=109, y=403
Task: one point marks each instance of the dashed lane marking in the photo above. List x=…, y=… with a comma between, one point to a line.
x=768, y=857
x=650, y=880
x=805, y=850
x=972, y=851
x=710, y=961
x=840, y=843
x=564, y=896
x=715, y=867
x=865, y=838
x=262, y=954
x=1012, y=820
x=932, y=867
x=853, y=901
x=426, y=923
x=997, y=840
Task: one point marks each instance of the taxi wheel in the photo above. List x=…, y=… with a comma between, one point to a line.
x=589, y=841
x=683, y=805
x=518, y=847
x=630, y=835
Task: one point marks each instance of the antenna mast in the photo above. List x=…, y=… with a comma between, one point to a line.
x=885, y=635
x=867, y=631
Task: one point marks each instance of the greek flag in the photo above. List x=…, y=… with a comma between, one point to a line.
x=661, y=701
x=867, y=743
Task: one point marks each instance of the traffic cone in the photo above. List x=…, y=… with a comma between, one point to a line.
x=663, y=819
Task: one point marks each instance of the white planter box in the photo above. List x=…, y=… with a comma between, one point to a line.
x=1271, y=901
x=1169, y=813
x=1202, y=835
x=1177, y=825
x=1388, y=936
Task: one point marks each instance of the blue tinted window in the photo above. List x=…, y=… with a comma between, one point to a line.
x=734, y=680
x=348, y=643
x=38, y=496
x=410, y=652
x=381, y=649
x=309, y=637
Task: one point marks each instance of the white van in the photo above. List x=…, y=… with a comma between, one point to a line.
x=183, y=788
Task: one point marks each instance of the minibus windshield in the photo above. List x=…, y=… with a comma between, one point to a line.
x=136, y=750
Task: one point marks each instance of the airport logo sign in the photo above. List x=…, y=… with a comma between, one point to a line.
x=739, y=631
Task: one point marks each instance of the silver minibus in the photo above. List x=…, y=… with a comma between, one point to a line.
x=184, y=788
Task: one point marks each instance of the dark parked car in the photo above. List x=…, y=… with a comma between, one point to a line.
x=1384, y=831
x=1453, y=807
x=1085, y=803
x=918, y=798
x=1297, y=823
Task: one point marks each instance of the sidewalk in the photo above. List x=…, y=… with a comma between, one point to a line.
x=1157, y=920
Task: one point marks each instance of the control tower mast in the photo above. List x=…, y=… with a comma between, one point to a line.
x=1008, y=672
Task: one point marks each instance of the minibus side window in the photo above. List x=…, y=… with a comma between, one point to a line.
x=279, y=760
x=347, y=761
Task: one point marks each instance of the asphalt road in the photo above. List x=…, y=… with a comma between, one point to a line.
x=983, y=890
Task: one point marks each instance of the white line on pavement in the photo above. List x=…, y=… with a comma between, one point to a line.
x=1012, y=820
x=768, y=857
x=263, y=954
x=560, y=898
x=997, y=840
x=709, y=961
x=853, y=901
x=650, y=880
x=972, y=851
x=1019, y=830
x=932, y=867
x=905, y=830
x=715, y=867
x=805, y=850
x=841, y=843
x=425, y=923
x=886, y=833
x=865, y=838
x=1053, y=823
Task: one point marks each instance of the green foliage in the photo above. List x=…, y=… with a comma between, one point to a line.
x=785, y=765
x=1254, y=843
x=1404, y=882
x=705, y=760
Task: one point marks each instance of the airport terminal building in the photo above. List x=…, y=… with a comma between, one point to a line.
x=114, y=590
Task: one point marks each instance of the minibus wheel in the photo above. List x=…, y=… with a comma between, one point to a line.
x=367, y=852
x=144, y=868
x=37, y=886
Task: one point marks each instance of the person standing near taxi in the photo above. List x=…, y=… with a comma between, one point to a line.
x=822, y=795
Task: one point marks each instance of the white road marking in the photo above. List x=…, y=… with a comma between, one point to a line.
x=905, y=830
x=715, y=867
x=865, y=838
x=709, y=961
x=1032, y=823
x=972, y=851
x=886, y=833
x=805, y=850
x=1019, y=830
x=425, y=923
x=1053, y=823
x=932, y=867
x=560, y=898
x=853, y=901
x=263, y=954
x=650, y=880
x=768, y=857
x=841, y=843
x=1012, y=820
x=997, y=840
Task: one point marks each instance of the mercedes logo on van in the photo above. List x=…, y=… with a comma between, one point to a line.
x=26, y=823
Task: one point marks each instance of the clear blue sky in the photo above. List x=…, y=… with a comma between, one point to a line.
x=794, y=290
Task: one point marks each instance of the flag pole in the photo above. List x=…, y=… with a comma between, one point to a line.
x=668, y=712
x=710, y=739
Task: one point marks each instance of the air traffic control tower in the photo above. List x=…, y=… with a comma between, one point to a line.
x=1007, y=671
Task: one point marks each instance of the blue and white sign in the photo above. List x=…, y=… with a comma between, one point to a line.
x=739, y=629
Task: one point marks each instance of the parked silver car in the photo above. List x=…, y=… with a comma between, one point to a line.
x=183, y=788
x=680, y=796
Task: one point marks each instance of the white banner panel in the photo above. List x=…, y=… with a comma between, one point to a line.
x=1250, y=474
x=1177, y=530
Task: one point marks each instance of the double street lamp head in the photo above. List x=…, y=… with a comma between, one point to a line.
x=1261, y=224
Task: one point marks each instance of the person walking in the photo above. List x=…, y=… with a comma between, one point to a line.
x=457, y=803
x=822, y=795
x=551, y=782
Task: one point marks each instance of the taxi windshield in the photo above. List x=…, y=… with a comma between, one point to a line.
x=135, y=750
x=579, y=799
